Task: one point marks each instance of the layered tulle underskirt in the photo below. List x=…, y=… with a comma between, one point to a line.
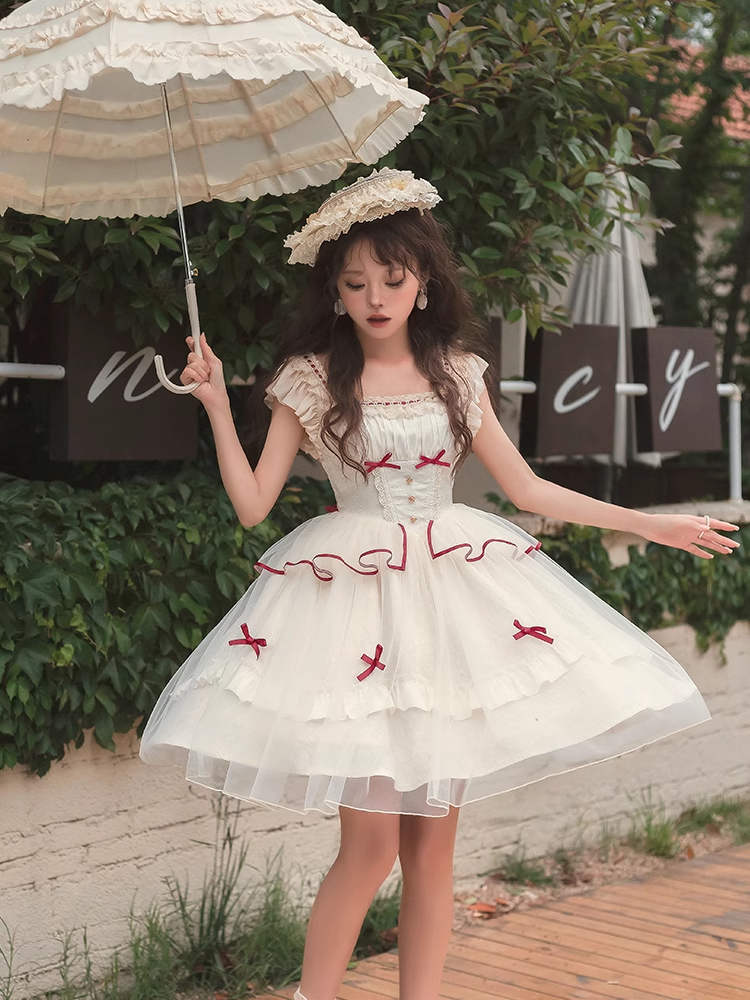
x=408, y=669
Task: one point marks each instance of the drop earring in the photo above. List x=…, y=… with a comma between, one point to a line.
x=422, y=299
x=339, y=308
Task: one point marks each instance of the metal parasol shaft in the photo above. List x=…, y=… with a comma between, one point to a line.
x=190, y=295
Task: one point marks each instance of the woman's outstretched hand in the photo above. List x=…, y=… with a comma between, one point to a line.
x=208, y=371
x=682, y=531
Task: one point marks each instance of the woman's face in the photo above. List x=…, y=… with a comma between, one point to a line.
x=378, y=297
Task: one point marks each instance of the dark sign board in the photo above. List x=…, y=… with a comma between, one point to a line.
x=110, y=405
x=573, y=410
x=681, y=411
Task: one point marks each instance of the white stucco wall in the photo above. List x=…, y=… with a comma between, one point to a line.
x=101, y=831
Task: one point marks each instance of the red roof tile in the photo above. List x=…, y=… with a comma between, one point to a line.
x=684, y=107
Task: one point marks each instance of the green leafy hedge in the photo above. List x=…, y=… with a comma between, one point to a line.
x=662, y=586
x=103, y=593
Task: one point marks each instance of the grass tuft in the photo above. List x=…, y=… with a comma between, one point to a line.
x=610, y=837
x=205, y=927
x=514, y=867
x=741, y=826
x=378, y=931
x=227, y=937
x=7, y=961
x=152, y=962
x=712, y=815
x=567, y=862
x=271, y=947
x=652, y=831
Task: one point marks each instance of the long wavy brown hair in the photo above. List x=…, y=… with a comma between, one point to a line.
x=419, y=243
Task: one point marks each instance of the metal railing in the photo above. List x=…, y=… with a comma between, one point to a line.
x=728, y=389
x=12, y=370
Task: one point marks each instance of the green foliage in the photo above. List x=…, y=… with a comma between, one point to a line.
x=377, y=933
x=7, y=958
x=652, y=831
x=566, y=861
x=231, y=933
x=209, y=924
x=715, y=815
x=527, y=115
x=145, y=970
x=700, y=65
x=102, y=595
x=303, y=497
x=271, y=949
x=662, y=586
x=741, y=827
x=514, y=867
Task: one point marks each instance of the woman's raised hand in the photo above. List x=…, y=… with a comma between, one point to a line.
x=691, y=532
x=208, y=371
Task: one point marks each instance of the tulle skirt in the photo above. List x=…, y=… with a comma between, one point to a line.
x=408, y=669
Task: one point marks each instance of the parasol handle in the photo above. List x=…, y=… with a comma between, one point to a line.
x=195, y=330
x=192, y=299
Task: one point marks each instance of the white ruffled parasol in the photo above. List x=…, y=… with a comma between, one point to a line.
x=259, y=97
x=610, y=289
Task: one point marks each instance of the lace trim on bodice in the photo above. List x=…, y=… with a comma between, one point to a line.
x=398, y=401
x=413, y=404
x=384, y=495
x=302, y=384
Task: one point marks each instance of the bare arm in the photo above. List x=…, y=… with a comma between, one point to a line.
x=527, y=491
x=252, y=492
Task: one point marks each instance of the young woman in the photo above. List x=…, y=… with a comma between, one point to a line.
x=403, y=655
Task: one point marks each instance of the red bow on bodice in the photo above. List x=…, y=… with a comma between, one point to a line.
x=432, y=461
x=384, y=463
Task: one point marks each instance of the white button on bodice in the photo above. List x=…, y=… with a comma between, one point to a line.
x=407, y=482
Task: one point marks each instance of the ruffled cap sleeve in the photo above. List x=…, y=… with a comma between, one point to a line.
x=298, y=386
x=472, y=368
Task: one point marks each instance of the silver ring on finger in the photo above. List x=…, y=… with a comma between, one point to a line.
x=701, y=535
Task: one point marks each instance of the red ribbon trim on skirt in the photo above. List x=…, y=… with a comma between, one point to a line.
x=326, y=575
x=468, y=545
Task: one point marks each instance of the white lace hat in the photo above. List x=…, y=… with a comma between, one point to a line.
x=384, y=192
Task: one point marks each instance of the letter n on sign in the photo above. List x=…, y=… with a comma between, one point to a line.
x=573, y=409
x=681, y=411
x=111, y=406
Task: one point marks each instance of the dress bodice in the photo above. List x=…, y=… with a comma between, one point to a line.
x=410, y=458
x=409, y=450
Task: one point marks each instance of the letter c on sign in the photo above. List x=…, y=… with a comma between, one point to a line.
x=583, y=375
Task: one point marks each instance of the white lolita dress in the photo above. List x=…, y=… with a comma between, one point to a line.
x=407, y=653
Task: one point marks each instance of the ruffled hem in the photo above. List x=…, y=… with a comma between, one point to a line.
x=317, y=48
x=309, y=767
x=356, y=703
x=61, y=22
x=155, y=63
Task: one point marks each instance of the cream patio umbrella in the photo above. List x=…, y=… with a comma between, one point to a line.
x=134, y=107
x=610, y=289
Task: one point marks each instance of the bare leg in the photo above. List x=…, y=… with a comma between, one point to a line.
x=426, y=916
x=369, y=845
